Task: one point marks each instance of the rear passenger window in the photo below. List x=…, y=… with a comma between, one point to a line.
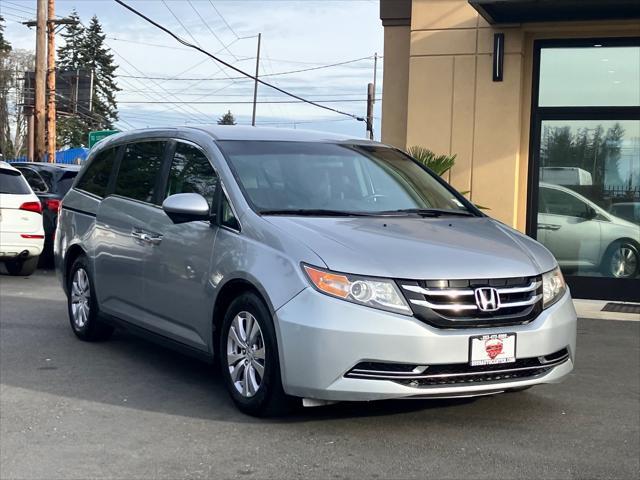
x=139, y=170
x=191, y=172
x=95, y=178
x=35, y=181
x=12, y=182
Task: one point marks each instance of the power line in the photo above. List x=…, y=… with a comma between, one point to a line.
x=210, y=29
x=22, y=12
x=274, y=74
x=241, y=102
x=228, y=65
x=31, y=10
x=224, y=20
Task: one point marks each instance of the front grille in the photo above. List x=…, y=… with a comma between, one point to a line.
x=457, y=373
x=454, y=303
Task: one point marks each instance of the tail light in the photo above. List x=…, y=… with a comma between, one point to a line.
x=31, y=207
x=53, y=205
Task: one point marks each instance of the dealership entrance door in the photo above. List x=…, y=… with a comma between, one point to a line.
x=584, y=177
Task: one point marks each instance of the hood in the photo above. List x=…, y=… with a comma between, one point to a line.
x=419, y=248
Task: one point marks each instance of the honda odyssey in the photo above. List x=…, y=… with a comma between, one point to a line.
x=309, y=266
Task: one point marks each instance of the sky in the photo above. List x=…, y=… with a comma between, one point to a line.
x=296, y=35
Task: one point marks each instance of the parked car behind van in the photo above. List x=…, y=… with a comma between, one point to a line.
x=21, y=232
x=50, y=182
x=312, y=266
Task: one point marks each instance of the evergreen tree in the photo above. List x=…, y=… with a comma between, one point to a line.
x=227, y=119
x=69, y=55
x=85, y=49
x=97, y=58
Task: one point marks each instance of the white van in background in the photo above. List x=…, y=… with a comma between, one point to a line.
x=565, y=176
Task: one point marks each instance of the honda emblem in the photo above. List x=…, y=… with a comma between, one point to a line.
x=487, y=299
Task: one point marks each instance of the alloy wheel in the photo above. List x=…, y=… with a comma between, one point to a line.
x=80, y=298
x=624, y=262
x=245, y=354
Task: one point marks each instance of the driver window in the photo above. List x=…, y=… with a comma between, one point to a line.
x=191, y=172
x=561, y=203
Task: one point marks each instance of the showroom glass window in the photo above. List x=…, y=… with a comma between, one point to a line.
x=586, y=169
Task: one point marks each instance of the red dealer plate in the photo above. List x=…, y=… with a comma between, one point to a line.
x=492, y=349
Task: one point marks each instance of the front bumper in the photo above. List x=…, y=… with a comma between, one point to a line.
x=321, y=338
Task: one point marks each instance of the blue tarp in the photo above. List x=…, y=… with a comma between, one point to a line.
x=71, y=156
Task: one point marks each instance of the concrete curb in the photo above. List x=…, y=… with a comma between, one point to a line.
x=592, y=309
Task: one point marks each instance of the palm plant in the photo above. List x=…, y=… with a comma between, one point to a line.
x=440, y=164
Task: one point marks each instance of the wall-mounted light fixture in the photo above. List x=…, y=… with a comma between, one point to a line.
x=498, y=56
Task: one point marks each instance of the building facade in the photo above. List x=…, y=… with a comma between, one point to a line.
x=540, y=101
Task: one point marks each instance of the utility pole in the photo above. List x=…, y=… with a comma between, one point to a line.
x=255, y=86
x=51, y=82
x=375, y=75
x=42, y=130
x=41, y=71
x=370, y=100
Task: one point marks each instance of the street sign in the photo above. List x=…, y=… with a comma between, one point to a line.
x=95, y=137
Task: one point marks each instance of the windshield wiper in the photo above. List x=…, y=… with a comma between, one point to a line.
x=315, y=212
x=432, y=212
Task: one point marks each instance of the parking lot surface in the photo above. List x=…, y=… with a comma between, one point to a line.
x=129, y=409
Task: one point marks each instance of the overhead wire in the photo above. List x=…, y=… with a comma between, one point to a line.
x=232, y=67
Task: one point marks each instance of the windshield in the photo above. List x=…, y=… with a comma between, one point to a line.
x=299, y=177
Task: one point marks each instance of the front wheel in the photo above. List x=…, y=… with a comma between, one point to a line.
x=248, y=356
x=622, y=260
x=22, y=268
x=82, y=304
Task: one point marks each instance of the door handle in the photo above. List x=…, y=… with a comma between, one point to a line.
x=548, y=226
x=148, y=238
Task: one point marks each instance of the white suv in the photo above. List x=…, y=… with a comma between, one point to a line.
x=21, y=231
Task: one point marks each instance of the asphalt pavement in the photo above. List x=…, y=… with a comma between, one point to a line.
x=126, y=408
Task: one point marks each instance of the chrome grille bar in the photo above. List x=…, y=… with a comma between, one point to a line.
x=456, y=293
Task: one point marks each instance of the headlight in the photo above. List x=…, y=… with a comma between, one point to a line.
x=372, y=292
x=553, y=287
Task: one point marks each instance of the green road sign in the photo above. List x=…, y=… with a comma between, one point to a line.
x=95, y=137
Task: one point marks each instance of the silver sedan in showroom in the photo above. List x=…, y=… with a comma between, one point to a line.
x=309, y=266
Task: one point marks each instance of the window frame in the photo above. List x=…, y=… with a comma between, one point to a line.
x=581, y=286
x=112, y=174
x=216, y=210
x=35, y=172
x=118, y=162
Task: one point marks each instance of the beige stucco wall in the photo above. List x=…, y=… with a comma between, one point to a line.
x=454, y=106
x=395, y=84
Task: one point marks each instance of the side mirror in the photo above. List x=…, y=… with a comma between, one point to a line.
x=186, y=207
x=589, y=213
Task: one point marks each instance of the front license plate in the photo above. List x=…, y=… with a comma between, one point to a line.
x=492, y=349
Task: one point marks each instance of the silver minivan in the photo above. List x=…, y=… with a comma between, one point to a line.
x=308, y=266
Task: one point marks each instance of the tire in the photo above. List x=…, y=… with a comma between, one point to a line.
x=241, y=363
x=22, y=268
x=82, y=306
x=622, y=260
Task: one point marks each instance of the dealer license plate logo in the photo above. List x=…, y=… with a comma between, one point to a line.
x=493, y=349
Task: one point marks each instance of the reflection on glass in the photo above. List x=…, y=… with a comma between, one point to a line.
x=605, y=76
x=589, y=196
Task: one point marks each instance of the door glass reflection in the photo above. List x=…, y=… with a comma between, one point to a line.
x=589, y=196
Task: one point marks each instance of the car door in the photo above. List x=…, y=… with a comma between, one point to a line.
x=121, y=220
x=569, y=233
x=177, y=298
